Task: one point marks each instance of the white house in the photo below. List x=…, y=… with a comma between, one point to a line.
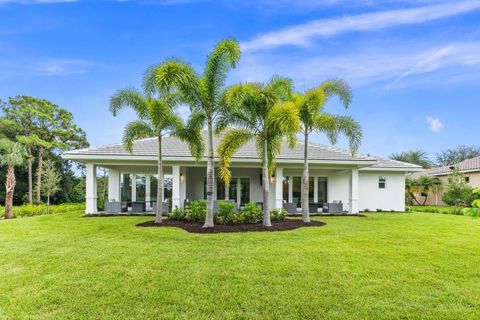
x=359, y=182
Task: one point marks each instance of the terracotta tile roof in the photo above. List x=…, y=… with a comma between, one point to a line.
x=472, y=164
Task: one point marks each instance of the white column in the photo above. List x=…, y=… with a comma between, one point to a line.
x=354, y=192
x=113, y=185
x=279, y=188
x=148, y=196
x=290, y=189
x=176, y=187
x=183, y=185
x=91, y=188
x=134, y=187
x=315, y=189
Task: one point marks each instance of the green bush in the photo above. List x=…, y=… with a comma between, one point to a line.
x=177, y=214
x=436, y=209
x=278, y=214
x=41, y=209
x=196, y=211
x=251, y=213
x=225, y=213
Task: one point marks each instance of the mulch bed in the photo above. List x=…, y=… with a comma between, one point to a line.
x=195, y=227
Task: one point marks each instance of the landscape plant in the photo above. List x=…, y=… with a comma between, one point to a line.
x=458, y=192
x=203, y=93
x=12, y=154
x=313, y=118
x=259, y=112
x=51, y=181
x=156, y=118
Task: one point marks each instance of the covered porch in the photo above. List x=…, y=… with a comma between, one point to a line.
x=133, y=188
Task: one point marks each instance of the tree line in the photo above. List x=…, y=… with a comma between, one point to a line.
x=267, y=113
x=447, y=157
x=33, y=133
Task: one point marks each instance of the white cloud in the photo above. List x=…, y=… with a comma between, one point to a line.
x=62, y=67
x=393, y=65
x=302, y=35
x=434, y=124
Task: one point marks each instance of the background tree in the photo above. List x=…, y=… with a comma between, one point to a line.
x=313, y=119
x=40, y=125
x=203, y=94
x=12, y=154
x=458, y=192
x=453, y=156
x=422, y=187
x=156, y=118
x=256, y=111
x=51, y=181
x=418, y=157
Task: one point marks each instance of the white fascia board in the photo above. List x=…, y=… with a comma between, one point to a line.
x=391, y=169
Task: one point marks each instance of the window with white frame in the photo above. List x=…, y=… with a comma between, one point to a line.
x=382, y=182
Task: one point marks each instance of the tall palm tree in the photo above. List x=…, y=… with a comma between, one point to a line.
x=256, y=112
x=203, y=93
x=427, y=184
x=156, y=118
x=313, y=119
x=418, y=156
x=12, y=154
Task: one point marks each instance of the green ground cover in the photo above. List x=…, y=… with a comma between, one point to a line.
x=385, y=266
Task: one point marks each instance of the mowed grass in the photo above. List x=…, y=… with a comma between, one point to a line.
x=385, y=266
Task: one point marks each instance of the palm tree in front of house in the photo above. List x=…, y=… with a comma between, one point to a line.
x=156, y=118
x=313, y=118
x=257, y=112
x=203, y=93
x=12, y=154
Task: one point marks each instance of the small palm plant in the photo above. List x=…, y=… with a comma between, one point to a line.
x=255, y=109
x=203, y=93
x=12, y=154
x=156, y=118
x=313, y=119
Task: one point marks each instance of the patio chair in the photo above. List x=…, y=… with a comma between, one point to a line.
x=138, y=206
x=291, y=207
x=115, y=207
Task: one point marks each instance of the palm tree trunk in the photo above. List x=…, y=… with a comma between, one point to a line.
x=305, y=184
x=10, y=187
x=159, y=212
x=210, y=178
x=30, y=177
x=266, y=187
x=39, y=173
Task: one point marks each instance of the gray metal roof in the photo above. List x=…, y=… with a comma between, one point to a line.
x=174, y=148
x=472, y=164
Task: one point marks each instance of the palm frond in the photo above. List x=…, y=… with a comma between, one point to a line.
x=136, y=130
x=192, y=134
x=231, y=142
x=282, y=87
x=333, y=125
x=283, y=118
x=129, y=98
x=339, y=88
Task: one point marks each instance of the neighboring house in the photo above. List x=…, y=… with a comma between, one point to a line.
x=470, y=168
x=360, y=182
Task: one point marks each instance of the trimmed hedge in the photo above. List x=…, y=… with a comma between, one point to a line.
x=41, y=209
x=436, y=209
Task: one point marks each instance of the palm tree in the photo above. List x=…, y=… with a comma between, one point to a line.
x=256, y=111
x=313, y=119
x=417, y=156
x=203, y=93
x=12, y=154
x=427, y=183
x=156, y=118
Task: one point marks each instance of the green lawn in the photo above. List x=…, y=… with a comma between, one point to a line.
x=388, y=265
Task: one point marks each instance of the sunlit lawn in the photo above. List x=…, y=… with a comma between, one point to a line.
x=388, y=265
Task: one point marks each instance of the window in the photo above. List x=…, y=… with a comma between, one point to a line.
x=382, y=182
x=322, y=190
x=220, y=189
x=245, y=190
x=126, y=187
x=140, y=185
x=467, y=179
x=285, y=184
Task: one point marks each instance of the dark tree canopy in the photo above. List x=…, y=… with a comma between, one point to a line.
x=453, y=156
x=417, y=156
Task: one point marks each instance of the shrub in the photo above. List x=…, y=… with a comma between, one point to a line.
x=177, y=214
x=436, y=209
x=251, y=213
x=225, y=213
x=41, y=209
x=278, y=214
x=474, y=211
x=458, y=193
x=196, y=211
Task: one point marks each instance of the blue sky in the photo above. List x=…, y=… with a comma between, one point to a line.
x=414, y=66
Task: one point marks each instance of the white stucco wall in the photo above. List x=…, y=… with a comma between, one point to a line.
x=388, y=199
x=339, y=188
